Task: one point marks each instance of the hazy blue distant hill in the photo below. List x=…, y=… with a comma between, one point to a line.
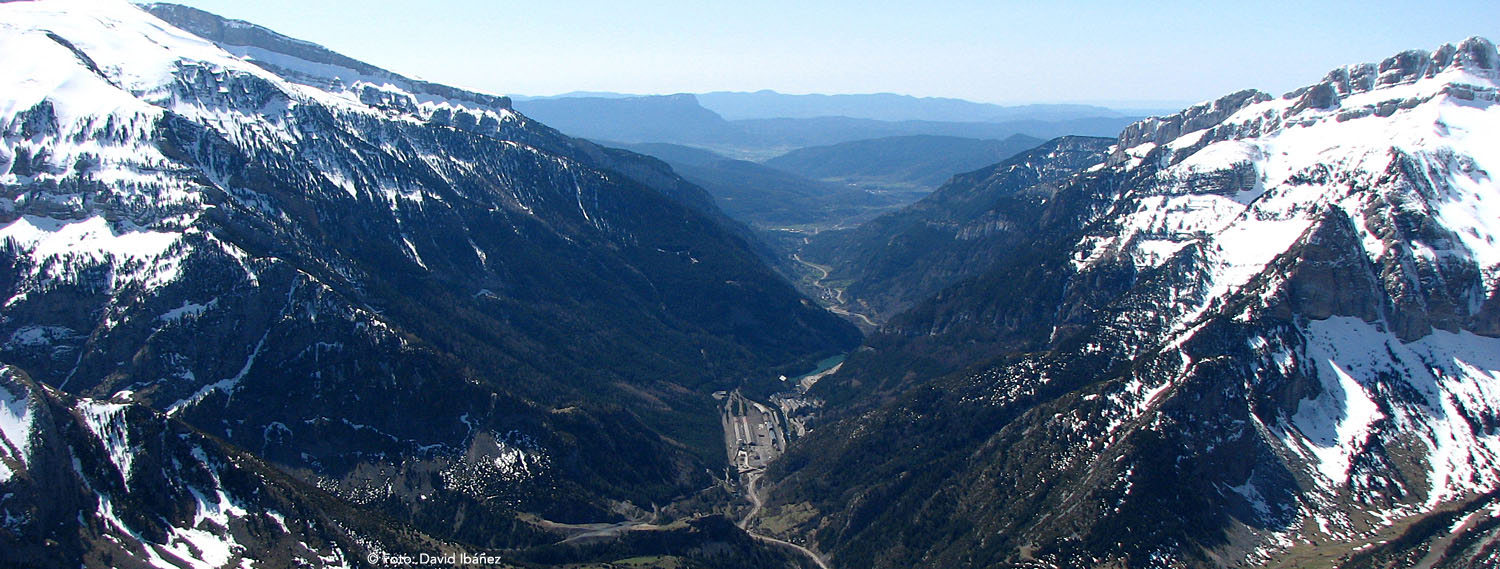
x=768, y=198
x=922, y=161
x=577, y=95
x=673, y=154
x=885, y=107
x=671, y=118
x=801, y=133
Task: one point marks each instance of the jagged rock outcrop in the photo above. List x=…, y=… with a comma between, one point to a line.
x=1158, y=130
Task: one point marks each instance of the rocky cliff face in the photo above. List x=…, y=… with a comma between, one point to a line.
x=417, y=299
x=1268, y=337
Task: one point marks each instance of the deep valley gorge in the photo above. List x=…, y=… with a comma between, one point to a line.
x=268, y=305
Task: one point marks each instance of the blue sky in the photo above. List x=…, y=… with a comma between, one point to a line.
x=1115, y=52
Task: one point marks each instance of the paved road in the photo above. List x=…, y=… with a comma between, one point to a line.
x=754, y=500
x=737, y=429
x=837, y=293
x=757, y=501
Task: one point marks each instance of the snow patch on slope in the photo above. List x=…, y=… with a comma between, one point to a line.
x=60, y=249
x=1219, y=156
x=188, y=310
x=1472, y=211
x=226, y=386
x=16, y=418
x=107, y=422
x=1457, y=376
x=1338, y=423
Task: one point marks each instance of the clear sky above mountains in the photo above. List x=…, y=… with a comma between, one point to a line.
x=1111, y=52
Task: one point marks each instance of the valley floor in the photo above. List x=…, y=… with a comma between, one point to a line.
x=755, y=435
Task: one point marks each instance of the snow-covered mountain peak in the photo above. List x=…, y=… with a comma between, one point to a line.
x=120, y=43
x=1474, y=56
x=90, y=58
x=1145, y=135
x=313, y=65
x=1462, y=73
x=91, y=176
x=1406, y=149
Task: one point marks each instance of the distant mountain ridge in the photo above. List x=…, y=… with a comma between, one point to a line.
x=957, y=232
x=768, y=104
x=821, y=188
x=663, y=118
x=682, y=119
x=771, y=199
x=920, y=161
